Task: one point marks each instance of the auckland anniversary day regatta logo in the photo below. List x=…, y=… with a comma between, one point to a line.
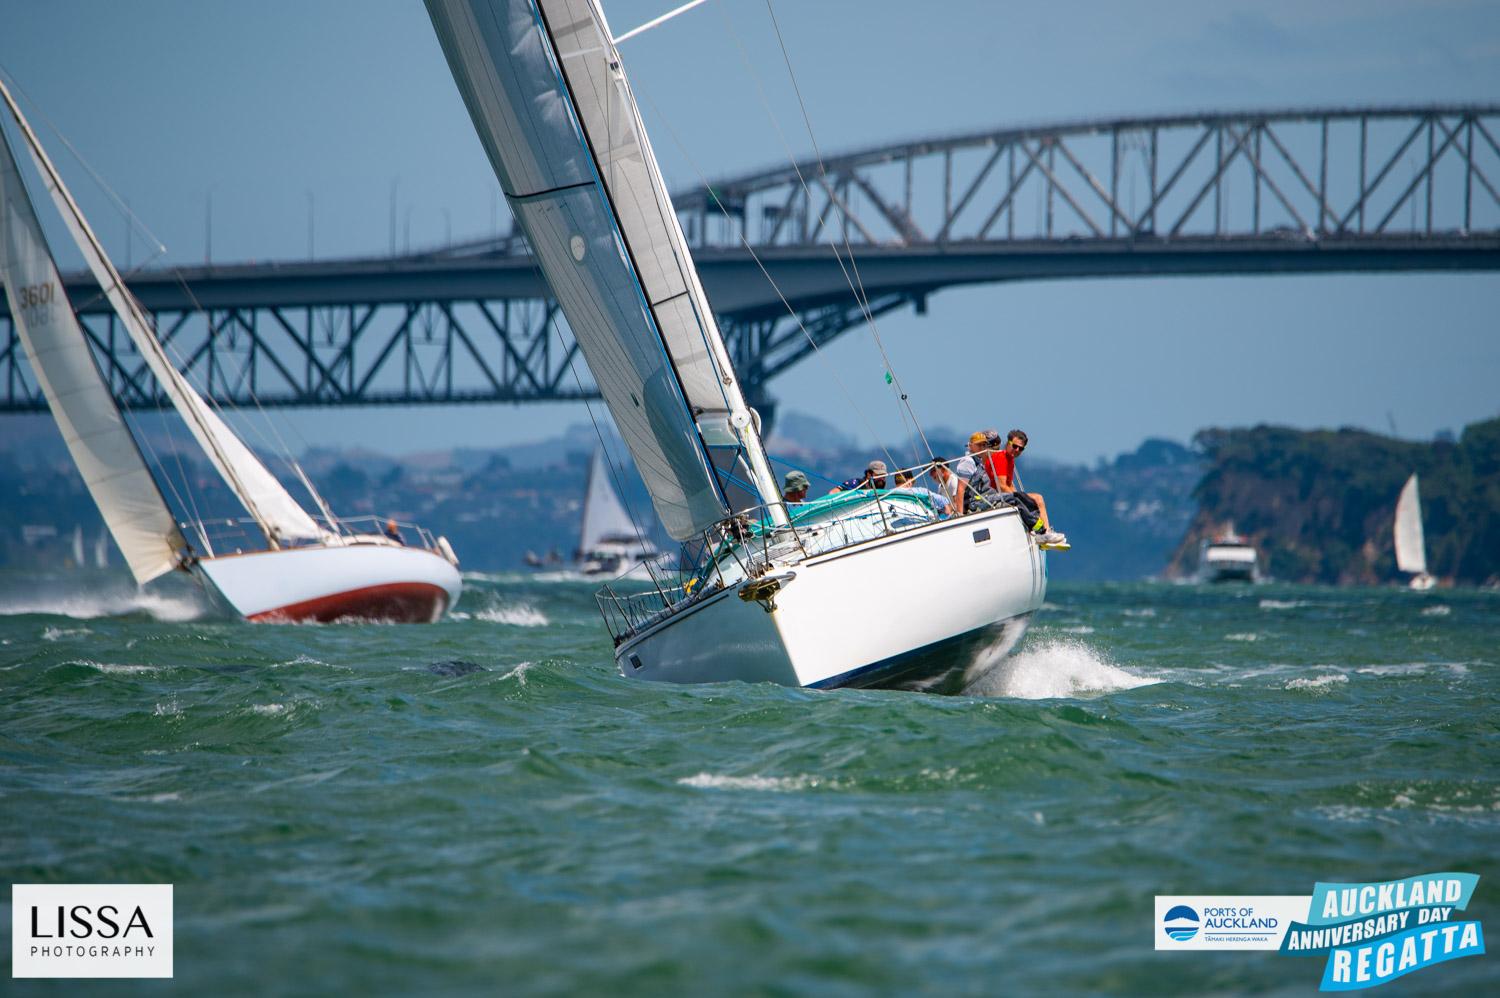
x=1369, y=934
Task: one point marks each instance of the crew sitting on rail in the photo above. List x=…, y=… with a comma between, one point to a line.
x=394, y=532
x=938, y=500
x=995, y=483
x=795, y=489
x=874, y=478
x=950, y=485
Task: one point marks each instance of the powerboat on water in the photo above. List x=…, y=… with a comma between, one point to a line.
x=1228, y=557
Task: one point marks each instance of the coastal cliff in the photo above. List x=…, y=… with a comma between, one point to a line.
x=1319, y=505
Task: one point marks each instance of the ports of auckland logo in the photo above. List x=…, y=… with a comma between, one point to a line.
x=1181, y=923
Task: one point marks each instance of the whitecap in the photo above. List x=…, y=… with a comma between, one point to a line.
x=269, y=709
x=1056, y=668
x=1143, y=611
x=1317, y=682
x=1242, y=636
x=1437, y=611
x=716, y=781
x=1080, y=629
x=520, y=615
x=1282, y=604
x=86, y=606
x=51, y=633
x=111, y=667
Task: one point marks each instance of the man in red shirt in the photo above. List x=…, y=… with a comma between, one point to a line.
x=1000, y=467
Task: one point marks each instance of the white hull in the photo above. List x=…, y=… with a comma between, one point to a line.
x=932, y=608
x=354, y=581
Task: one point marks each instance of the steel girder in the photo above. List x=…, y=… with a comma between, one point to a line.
x=1336, y=190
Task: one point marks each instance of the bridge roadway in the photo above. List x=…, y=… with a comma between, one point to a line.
x=1257, y=192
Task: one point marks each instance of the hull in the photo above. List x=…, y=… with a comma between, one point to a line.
x=324, y=584
x=929, y=609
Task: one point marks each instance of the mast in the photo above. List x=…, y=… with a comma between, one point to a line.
x=546, y=89
x=91, y=424
x=272, y=507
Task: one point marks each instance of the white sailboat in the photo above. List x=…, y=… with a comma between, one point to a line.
x=862, y=588
x=307, y=571
x=1411, y=545
x=609, y=542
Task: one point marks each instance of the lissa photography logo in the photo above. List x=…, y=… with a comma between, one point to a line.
x=1368, y=933
x=91, y=930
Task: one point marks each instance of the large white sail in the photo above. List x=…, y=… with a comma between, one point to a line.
x=604, y=518
x=91, y=423
x=262, y=495
x=1411, y=546
x=544, y=85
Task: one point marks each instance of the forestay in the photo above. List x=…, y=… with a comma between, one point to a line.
x=543, y=82
x=91, y=423
x=1411, y=545
x=257, y=489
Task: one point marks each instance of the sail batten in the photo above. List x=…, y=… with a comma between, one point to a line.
x=543, y=84
x=92, y=426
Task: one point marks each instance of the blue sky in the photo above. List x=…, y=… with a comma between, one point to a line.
x=270, y=107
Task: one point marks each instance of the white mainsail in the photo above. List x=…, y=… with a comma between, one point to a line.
x=604, y=518
x=259, y=492
x=1411, y=546
x=543, y=82
x=91, y=423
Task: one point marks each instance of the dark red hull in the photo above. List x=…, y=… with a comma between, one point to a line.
x=397, y=602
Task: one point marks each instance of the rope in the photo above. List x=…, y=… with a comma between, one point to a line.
x=859, y=292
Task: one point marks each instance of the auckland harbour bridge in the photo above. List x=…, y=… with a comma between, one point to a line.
x=1264, y=192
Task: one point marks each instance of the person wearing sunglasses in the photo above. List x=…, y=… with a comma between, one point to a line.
x=1001, y=466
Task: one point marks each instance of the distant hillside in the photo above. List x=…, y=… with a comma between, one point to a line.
x=1124, y=516
x=1319, y=505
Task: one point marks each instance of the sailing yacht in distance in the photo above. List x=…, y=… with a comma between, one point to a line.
x=609, y=542
x=307, y=570
x=862, y=588
x=1411, y=544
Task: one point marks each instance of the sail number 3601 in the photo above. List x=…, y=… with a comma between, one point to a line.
x=36, y=294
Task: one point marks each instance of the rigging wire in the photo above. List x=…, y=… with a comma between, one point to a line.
x=859, y=292
x=817, y=350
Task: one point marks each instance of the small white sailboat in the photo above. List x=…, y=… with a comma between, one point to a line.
x=609, y=542
x=862, y=588
x=1411, y=544
x=307, y=570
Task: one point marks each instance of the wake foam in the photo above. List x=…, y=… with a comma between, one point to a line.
x=87, y=606
x=1056, y=668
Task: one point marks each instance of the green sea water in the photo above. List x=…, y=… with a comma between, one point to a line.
x=342, y=809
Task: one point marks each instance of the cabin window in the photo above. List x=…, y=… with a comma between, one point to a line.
x=635, y=661
x=982, y=536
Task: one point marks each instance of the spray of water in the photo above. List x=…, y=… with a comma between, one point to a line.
x=1056, y=667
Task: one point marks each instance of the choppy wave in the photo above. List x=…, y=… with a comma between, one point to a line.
x=88, y=606
x=1317, y=682
x=517, y=615
x=1057, y=668
x=717, y=781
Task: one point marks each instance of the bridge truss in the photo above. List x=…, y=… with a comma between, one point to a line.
x=1374, y=189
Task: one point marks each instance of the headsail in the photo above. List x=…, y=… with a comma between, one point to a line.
x=91, y=423
x=1411, y=546
x=604, y=518
x=253, y=484
x=543, y=82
